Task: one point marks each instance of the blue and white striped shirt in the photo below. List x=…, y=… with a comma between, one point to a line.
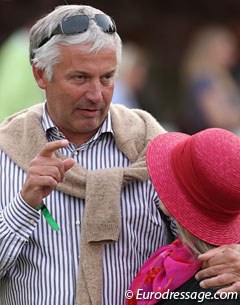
x=40, y=266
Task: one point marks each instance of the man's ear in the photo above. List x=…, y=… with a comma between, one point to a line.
x=39, y=76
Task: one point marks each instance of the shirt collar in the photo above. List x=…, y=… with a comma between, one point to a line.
x=52, y=130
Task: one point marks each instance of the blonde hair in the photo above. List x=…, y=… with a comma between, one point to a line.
x=200, y=56
x=197, y=245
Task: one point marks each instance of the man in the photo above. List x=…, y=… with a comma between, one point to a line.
x=78, y=214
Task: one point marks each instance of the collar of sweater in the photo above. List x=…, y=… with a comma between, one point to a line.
x=22, y=137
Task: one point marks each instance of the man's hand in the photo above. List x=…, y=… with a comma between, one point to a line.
x=221, y=268
x=45, y=172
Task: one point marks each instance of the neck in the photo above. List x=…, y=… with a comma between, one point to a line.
x=78, y=139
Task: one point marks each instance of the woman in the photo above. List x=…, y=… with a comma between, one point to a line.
x=198, y=181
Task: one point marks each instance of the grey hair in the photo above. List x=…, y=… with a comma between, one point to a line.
x=48, y=55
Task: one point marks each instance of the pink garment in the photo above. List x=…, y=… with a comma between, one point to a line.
x=166, y=270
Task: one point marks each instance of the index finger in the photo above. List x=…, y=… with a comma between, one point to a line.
x=50, y=147
x=210, y=253
x=218, y=251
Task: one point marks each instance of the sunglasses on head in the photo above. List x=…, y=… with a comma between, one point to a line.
x=79, y=24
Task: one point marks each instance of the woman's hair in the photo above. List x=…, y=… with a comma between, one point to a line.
x=201, y=54
x=47, y=55
x=197, y=245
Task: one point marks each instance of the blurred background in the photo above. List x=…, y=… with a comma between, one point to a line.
x=162, y=42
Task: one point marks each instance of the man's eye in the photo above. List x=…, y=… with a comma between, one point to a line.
x=79, y=77
x=108, y=77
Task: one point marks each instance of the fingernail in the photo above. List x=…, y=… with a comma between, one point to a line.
x=202, y=284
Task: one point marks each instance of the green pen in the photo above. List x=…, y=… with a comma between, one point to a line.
x=47, y=215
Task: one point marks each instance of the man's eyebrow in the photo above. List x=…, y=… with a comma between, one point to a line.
x=111, y=72
x=81, y=72
x=87, y=74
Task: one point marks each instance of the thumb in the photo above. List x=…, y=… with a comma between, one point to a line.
x=68, y=163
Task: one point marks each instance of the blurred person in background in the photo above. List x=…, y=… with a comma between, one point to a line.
x=131, y=76
x=211, y=97
x=18, y=89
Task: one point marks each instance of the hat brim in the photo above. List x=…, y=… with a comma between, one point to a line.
x=192, y=218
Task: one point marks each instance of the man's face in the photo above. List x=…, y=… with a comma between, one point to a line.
x=80, y=92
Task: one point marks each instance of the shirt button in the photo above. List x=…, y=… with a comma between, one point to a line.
x=31, y=221
x=75, y=153
x=77, y=222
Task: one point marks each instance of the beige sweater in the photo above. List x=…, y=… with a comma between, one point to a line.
x=22, y=137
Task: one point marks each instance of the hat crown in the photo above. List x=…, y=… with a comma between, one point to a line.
x=216, y=161
x=198, y=180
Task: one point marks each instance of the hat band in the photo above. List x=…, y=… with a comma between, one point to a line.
x=194, y=184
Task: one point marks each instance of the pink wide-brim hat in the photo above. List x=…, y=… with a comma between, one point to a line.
x=198, y=180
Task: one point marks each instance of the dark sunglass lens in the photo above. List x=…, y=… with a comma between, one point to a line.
x=106, y=23
x=75, y=24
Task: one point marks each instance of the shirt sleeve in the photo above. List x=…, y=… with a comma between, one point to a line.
x=169, y=220
x=17, y=223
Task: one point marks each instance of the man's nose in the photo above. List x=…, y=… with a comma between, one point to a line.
x=94, y=91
